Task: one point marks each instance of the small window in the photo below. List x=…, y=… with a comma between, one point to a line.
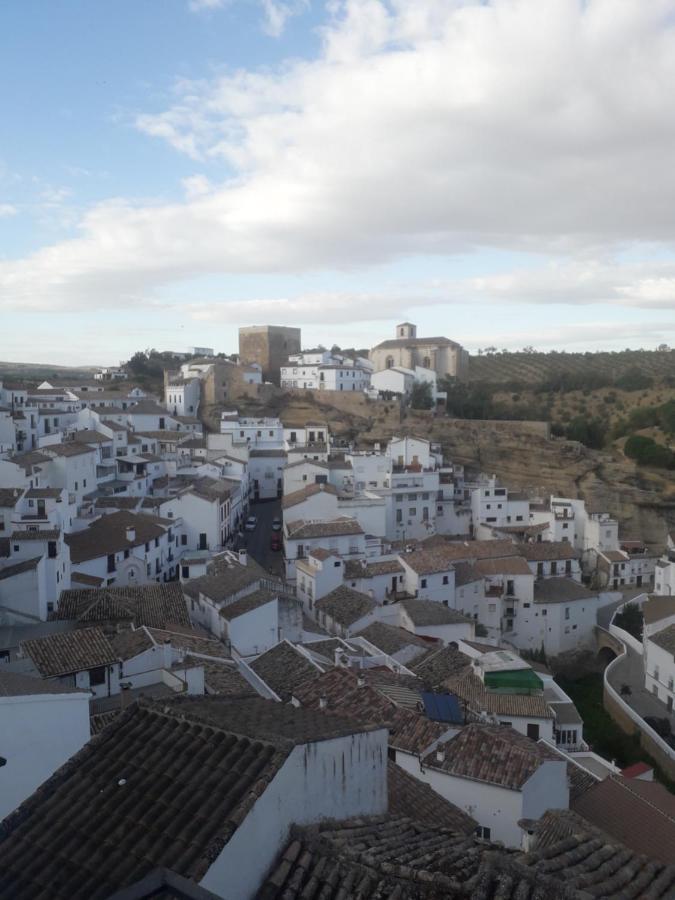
x=423, y=583
x=445, y=579
x=483, y=832
x=97, y=676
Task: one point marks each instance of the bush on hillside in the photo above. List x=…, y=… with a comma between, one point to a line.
x=646, y=452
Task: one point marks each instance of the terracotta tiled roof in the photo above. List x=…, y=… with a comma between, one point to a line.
x=131, y=800
x=331, y=528
x=155, y=605
x=397, y=858
x=49, y=534
x=130, y=642
x=490, y=753
x=247, y=604
x=514, y=565
x=26, y=565
x=664, y=638
x=109, y=535
x=639, y=814
x=469, y=551
x=14, y=684
x=431, y=612
x=438, y=665
x=471, y=689
x=224, y=678
x=658, y=608
x=345, y=605
x=427, y=562
x=545, y=550
x=571, y=849
x=408, y=731
x=190, y=641
x=364, y=568
x=70, y=651
x=391, y=639
x=560, y=590
x=284, y=668
x=408, y=796
x=305, y=493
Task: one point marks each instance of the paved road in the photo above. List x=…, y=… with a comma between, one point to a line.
x=258, y=542
x=630, y=671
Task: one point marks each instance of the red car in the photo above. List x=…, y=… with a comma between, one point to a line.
x=275, y=542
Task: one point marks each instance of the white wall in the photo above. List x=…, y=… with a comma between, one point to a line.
x=255, y=631
x=335, y=779
x=37, y=735
x=493, y=807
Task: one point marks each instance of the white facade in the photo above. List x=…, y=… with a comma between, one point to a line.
x=659, y=665
x=499, y=809
x=321, y=371
x=331, y=779
x=40, y=732
x=182, y=398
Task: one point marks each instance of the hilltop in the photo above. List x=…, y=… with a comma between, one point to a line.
x=533, y=368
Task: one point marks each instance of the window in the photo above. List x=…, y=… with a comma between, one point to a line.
x=51, y=549
x=183, y=540
x=483, y=832
x=97, y=676
x=399, y=516
x=509, y=588
x=412, y=511
x=567, y=612
x=540, y=570
x=533, y=731
x=423, y=582
x=111, y=562
x=445, y=579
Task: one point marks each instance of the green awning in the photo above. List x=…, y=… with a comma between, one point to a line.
x=515, y=681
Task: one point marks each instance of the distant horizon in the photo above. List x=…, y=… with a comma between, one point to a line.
x=497, y=352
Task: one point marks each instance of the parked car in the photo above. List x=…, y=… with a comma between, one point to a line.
x=275, y=542
x=276, y=524
x=251, y=523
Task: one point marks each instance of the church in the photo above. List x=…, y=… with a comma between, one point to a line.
x=406, y=350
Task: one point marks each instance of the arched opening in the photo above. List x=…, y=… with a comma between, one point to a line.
x=426, y=362
x=389, y=362
x=605, y=656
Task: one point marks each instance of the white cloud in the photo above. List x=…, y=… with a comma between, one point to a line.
x=421, y=128
x=7, y=210
x=199, y=5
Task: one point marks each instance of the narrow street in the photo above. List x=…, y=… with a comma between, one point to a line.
x=629, y=671
x=258, y=542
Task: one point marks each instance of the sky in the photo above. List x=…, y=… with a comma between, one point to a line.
x=501, y=172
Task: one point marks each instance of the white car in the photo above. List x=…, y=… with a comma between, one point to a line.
x=251, y=523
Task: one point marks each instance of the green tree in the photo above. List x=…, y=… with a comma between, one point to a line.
x=421, y=396
x=631, y=620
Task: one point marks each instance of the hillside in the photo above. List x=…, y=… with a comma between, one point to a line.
x=517, y=452
x=35, y=372
x=538, y=368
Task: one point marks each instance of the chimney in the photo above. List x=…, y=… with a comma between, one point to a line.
x=131, y=533
x=440, y=755
x=323, y=702
x=243, y=557
x=167, y=656
x=125, y=694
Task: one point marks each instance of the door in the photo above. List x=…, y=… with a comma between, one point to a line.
x=202, y=541
x=638, y=581
x=41, y=508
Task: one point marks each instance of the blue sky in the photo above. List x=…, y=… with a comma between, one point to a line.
x=498, y=172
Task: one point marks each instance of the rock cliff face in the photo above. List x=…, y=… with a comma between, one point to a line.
x=519, y=453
